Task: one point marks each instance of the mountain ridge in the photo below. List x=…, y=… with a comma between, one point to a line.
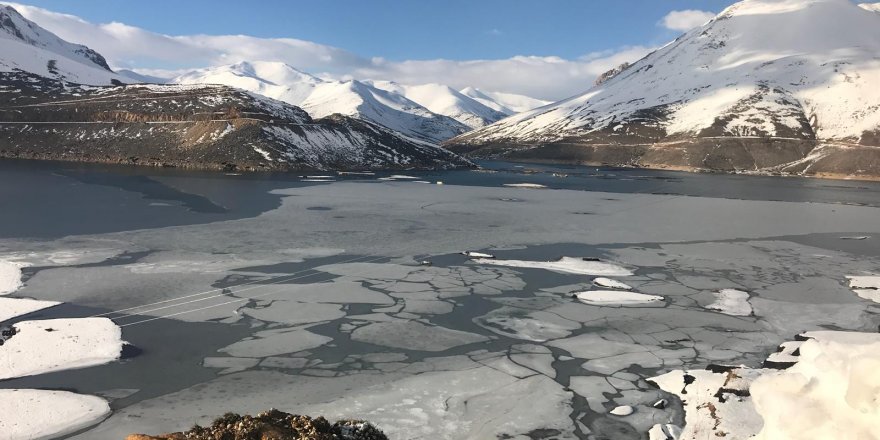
x=775, y=86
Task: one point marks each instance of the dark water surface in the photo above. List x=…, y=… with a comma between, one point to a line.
x=54, y=199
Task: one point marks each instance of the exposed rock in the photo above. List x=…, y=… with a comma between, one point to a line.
x=611, y=73
x=274, y=425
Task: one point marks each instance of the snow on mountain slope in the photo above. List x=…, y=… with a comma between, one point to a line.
x=874, y=7
x=27, y=46
x=508, y=103
x=273, y=79
x=321, y=98
x=445, y=100
x=781, y=69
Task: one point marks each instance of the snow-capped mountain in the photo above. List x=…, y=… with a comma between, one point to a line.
x=445, y=100
x=322, y=98
x=28, y=47
x=56, y=104
x=777, y=85
x=507, y=103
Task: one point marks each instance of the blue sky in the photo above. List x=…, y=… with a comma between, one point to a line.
x=413, y=29
x=548, y=49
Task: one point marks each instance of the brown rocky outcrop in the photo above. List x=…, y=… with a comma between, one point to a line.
x=273, y=425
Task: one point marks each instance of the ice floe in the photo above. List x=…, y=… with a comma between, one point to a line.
x=412, y=335
x=731, y=302
x=866, y=286
x=59, y=344
x=10, y=276
x=42, y=414
x=616, y=297
x=623, y=410
x=537, y=326
x=475, y=254
x=525, y=185
x=581, y=266
x=611, y=284
x=12, y=307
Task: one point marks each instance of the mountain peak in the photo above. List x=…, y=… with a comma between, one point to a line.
x=803, y=72
x=14, y=26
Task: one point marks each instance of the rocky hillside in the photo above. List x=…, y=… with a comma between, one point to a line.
x=209, y=127
x=767, y=86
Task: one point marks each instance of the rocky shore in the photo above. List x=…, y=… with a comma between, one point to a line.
x=274, y=425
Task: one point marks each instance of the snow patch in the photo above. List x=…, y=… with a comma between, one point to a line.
x=59, y=344
x=40, y=414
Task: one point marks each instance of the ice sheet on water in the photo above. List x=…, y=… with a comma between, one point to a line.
x=413, y=335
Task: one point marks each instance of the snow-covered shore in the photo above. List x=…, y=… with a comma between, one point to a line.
x=830, y=392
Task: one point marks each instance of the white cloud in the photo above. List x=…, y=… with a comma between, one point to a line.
x=686, y=20
x=146, y=52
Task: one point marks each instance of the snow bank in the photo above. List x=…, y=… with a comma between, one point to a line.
x=59, y=344
x=731, y=302
x=613, y=284
x=38, y=414
x=10, y=277
x=616, y=297
x=833, y=391
x=573, y=265
x=12, y=307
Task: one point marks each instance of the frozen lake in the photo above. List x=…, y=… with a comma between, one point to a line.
x=351, y=298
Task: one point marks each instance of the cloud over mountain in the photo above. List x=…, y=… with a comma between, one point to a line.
x=130, y=47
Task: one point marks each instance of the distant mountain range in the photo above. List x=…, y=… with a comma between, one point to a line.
x=431, y=112
x=768, y=86
x=62, y=101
